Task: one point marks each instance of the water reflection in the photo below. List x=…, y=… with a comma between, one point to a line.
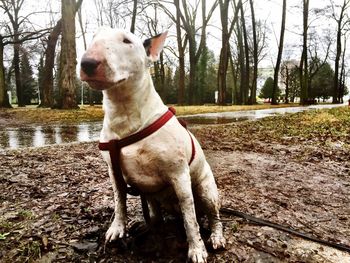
x=36, y=136
x=234, y=116
x=12, y=139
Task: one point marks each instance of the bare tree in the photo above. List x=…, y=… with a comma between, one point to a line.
x=12, y=10
x=188, y=14
x=154, y=28
x=246, y=69
x=279, y=56
x=252, y=99
x=239, y=94
x=9, y=40
x=119, y=13
x=226, y=32
x=133, y=17
x=4, y=100
x=342, y=75
x=304, y=71
x=46, y=86
x=342, y=20
x=67, y=81
x=285, y=75
x=182, y=41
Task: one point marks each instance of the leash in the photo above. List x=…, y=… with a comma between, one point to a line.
x=264, y=222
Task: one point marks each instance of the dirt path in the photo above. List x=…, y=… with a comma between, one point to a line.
x=56, y=204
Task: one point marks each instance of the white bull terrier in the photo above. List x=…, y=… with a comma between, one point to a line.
x=117, y=63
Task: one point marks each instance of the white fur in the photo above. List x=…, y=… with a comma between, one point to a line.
x=157, y=165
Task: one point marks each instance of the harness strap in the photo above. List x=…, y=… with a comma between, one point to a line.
x=114, y=147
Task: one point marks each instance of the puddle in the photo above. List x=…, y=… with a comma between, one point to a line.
x=37, y=136
x=234, y=116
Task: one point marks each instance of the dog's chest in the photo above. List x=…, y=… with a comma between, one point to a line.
x=142, y=167
x=150, y=164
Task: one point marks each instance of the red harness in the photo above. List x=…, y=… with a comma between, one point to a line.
x=114, y=147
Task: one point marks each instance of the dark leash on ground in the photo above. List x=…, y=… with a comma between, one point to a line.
x=264, y=222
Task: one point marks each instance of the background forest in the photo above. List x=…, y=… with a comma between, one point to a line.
x=223, y=51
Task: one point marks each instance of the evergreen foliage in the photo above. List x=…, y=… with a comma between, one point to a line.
x=29, y=85
x=266, y=91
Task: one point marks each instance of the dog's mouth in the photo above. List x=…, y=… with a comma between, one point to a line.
x=120, y=81
x=102, y=85
x=98, y=84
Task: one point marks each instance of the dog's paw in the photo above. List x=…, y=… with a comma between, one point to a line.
x=217, y=241
x=197, y=254
x=116, y=230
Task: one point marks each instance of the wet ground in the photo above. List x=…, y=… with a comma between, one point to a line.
x=56, y=201
x=40, y=135
x=14, y=136
x=252, y=115
x=57, y=205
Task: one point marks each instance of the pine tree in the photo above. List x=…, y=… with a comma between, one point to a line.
x=266, y=91
x=29, y=84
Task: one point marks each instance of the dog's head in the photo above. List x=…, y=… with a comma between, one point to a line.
x=116, y=57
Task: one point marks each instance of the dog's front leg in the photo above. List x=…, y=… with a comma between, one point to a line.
x=182, y=186
x=117, y=228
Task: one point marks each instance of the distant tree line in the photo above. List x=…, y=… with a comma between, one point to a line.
x=320, y=85
x=188, y=72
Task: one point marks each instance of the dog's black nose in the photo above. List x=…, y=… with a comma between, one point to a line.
x=88, y=65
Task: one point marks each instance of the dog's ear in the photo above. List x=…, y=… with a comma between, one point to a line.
x=154, y=46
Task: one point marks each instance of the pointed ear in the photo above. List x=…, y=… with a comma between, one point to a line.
x=154, y=46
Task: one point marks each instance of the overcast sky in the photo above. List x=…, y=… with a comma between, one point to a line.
x=269, y=11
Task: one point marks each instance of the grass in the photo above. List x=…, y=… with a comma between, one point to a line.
x=188, y=110
x=30, y=115
x=317, y=127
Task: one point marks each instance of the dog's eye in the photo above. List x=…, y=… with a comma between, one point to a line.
x=126, y=41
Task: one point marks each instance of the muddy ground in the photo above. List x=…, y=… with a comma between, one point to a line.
x=56, y=202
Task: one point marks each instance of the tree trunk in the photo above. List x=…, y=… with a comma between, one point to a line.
x=225, y=48
x=16, y=61
x=181, y=50
x=47, y=80
x=304, y=71
x=46, y=86
x=223, y=62
x=234, y=94
x=133, y=18
x=241, y=60
x=245, y=84
x=4, y=100
x=336, y=68
x=67, y=82
x=192, y=87
x=279, y=56
x=336, y=88
x=252, y=99
x=163, y=93
x=286, y=98
x=84, y=84
x=342, y=75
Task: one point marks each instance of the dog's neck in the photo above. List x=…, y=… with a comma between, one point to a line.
x=129, y=109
